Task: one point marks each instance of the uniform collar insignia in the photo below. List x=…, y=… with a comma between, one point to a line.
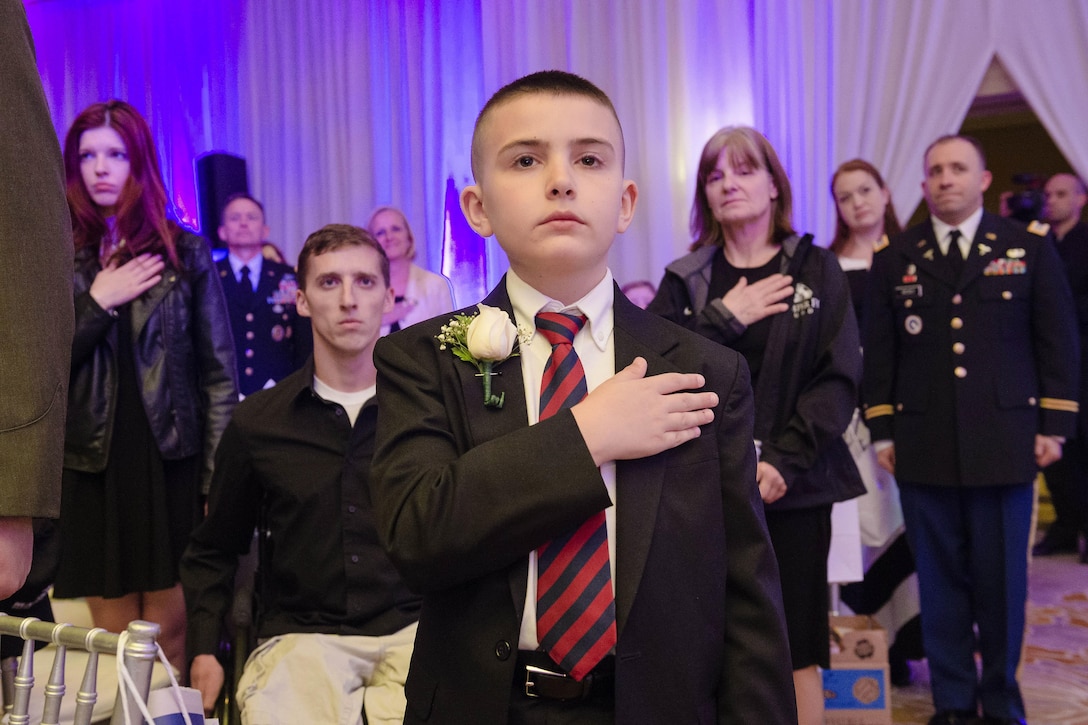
x=928, y=255
x=1038, y=227
x=984, y=249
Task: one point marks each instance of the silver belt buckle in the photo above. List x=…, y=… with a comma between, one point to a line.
x=530, y=682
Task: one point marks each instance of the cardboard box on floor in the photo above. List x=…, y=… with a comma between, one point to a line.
x=856, y=688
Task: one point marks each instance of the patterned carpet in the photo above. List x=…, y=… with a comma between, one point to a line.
x=1054, y=672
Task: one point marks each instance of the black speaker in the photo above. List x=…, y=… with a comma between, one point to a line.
x=218, y=175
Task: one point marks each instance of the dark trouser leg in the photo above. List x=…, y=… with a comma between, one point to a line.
x=999, y=519
x=934, y=517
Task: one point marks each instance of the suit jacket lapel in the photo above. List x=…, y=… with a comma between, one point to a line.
x=926, y=254
x=639, y=482
x=489, y=423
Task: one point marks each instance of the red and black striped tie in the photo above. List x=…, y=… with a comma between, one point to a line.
x=575, y=606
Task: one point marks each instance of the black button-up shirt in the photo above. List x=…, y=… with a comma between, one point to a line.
x=297, y=457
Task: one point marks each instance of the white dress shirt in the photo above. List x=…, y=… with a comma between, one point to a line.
x=968, y=228
x=596, y=349
x=254, y=268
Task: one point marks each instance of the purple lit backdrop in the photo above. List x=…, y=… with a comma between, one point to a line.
x=340, y=106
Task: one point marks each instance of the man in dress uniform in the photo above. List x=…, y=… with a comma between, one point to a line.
x=970, y=386
x=271, y=341
x=1067, y=479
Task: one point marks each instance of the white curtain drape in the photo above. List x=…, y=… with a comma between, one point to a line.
x=1045, y=50
x=855, y=78
x=342, y=105
x=676, y=72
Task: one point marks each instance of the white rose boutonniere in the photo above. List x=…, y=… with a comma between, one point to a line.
x=485, y=339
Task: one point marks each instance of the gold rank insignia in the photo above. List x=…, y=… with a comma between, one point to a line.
x=1038, y=227
x=928, y=255
x=1015, y=253
x=881, y=243
x=991, y=236
x=984, y=249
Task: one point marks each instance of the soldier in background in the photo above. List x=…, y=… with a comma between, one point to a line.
x=270, y=340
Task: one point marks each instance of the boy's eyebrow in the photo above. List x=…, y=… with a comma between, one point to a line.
x=533, y=143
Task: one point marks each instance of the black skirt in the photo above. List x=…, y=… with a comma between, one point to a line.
x=124, y=530
x=802, y=539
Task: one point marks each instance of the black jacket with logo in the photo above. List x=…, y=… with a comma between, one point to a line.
x=808, y=383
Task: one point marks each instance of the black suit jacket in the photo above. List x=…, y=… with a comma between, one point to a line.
x=1073, y=249
x=36, y=317
x=963, y=374
x=463, y=493
x=271, y=341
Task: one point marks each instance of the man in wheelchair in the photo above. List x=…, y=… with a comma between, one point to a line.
x=336, y=623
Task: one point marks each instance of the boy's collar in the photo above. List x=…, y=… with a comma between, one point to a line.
x=596, y=305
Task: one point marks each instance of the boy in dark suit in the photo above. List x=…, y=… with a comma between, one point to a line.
x=583, y=558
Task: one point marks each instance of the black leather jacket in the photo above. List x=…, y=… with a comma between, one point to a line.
x=184, y=359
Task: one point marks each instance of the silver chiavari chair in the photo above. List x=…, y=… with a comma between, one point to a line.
x=140, y=654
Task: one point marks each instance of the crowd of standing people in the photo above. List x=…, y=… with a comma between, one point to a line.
x=633, y=522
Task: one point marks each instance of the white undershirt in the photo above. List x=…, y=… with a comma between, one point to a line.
x=351, y=402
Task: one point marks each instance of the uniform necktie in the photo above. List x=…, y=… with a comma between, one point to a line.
x=575, y=605
x=955, y=256
x=246, y=284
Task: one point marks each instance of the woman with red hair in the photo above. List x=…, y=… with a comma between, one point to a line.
x=865, y=217
x=152, y=384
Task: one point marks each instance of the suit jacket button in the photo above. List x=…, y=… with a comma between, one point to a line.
x=899, y=407
x=957, y=323
x=958, y=348
x=960, y=372
x=503, y=650
x=957, y=299
x=1031, y=401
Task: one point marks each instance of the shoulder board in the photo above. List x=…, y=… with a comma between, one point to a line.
x=1038, y=227
x=880, y=243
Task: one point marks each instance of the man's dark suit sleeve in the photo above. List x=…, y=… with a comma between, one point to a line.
x=1057, y=345
x=881, y=350
x=36, y=295
x=449, y=509
x=756, y=684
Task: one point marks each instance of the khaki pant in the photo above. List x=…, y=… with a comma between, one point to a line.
x=327, y=678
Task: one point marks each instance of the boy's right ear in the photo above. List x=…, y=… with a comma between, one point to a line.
x=472, y=206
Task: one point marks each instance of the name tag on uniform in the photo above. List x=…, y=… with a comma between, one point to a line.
x=908, y=291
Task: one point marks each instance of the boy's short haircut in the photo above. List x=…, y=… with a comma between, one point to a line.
x=555, y=82
x=331, y=237
x=235, y=197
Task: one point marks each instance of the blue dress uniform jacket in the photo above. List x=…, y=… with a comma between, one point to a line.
x=963, y=374
x=271, y=341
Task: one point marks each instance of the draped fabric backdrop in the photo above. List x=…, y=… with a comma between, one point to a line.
x=340, y=106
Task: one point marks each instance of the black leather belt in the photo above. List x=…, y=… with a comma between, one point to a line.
x=543, y=678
